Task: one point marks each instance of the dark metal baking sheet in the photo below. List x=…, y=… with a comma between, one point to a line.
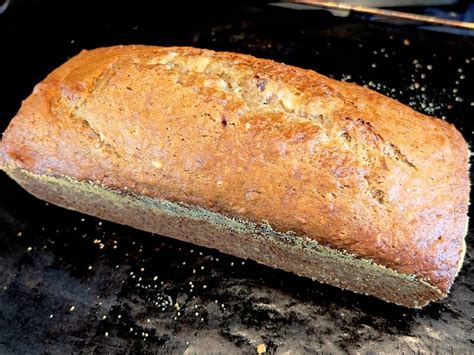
x=71, y=283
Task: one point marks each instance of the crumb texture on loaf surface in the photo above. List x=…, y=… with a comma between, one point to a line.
x=258, y=140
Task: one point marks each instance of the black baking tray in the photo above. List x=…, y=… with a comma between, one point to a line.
x=71, y=283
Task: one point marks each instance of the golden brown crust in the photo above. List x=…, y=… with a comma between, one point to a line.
x=257, y=140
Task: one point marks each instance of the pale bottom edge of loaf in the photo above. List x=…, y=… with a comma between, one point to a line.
x=297, y=254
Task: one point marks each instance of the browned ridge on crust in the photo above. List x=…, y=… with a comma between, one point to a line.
x=258, y=159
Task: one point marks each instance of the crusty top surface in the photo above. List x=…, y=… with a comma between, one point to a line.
x=259, y=140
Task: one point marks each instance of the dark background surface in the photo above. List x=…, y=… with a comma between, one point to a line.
x=71, y=283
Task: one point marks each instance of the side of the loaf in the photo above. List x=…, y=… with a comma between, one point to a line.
x=256, y=141
x=297, y=254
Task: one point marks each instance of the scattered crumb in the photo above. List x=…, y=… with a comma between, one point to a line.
x=261, y=349
x=72, y=308
x=406, y=42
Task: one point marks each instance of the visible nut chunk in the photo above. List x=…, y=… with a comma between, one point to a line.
x=199, y=64
x=164, y=59
x=287, y=99
x=157, y=164
x=216, y=83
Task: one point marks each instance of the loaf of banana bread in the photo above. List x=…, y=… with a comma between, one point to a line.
x=257, y=159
